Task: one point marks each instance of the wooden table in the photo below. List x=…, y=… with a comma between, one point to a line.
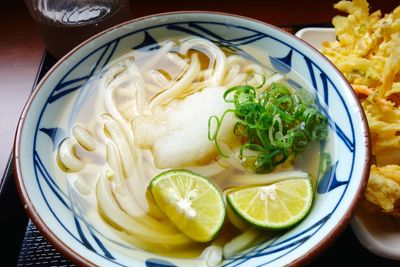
x=21, y=48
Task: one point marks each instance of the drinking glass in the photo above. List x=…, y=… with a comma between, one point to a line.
x=63, y=24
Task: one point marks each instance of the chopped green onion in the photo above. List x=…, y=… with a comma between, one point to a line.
x=274, y=125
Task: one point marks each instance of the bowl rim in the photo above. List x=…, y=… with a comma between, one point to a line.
x=75, y=257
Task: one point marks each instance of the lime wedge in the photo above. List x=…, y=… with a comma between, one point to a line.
x=192, y=203
x=274, y=206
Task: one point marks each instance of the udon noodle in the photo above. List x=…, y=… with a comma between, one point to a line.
x=148, y=111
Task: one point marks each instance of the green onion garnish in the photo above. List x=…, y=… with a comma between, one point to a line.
x=273, y=126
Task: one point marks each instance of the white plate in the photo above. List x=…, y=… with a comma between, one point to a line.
x=380, y=234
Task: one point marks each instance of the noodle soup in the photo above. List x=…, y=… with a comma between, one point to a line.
x=187, y=104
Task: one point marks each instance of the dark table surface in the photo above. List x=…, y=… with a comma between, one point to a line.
x=23, y=61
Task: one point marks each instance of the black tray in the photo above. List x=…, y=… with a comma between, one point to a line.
x=25, y=246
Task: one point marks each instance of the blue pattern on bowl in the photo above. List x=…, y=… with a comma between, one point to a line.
x=61, y=204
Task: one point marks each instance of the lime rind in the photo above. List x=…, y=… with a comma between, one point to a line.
x=208, y=232
x=169, y=173
x=269, y=225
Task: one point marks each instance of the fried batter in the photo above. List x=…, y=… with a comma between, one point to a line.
x=367, y=52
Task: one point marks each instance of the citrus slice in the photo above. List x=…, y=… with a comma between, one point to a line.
x=274, y=206
x=192, y=203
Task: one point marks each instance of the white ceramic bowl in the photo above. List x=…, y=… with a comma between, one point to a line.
x=58, y=217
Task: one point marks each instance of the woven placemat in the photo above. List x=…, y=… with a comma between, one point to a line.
x=36, y=251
